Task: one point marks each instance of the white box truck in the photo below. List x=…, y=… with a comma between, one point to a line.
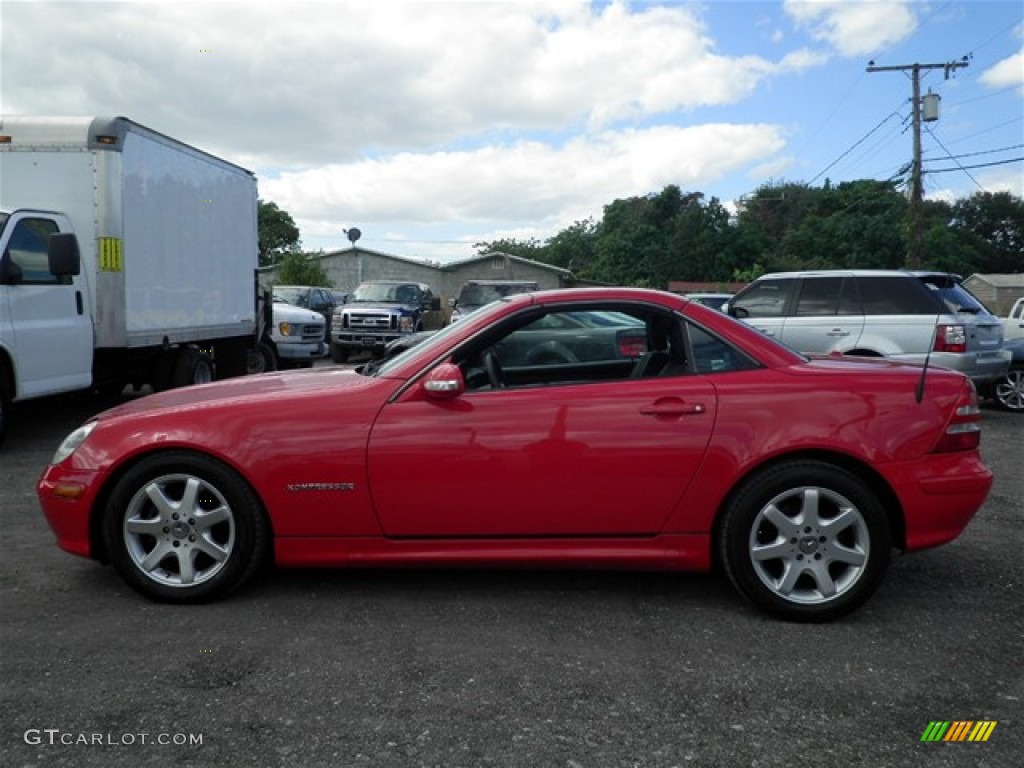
x=126, y=257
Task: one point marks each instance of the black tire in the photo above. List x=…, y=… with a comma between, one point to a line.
x=339, y=354
x=192, y=366
x=1009, y=390
x=261, y=359
x=782, y=548
x=209, y=523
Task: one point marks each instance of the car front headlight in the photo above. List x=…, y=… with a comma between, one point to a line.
x=72, y=442
x=287, y=329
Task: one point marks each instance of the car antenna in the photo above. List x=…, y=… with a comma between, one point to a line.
x=919, y=395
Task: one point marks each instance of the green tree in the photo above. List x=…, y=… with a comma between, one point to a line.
x=992, y=226
x=302, y=269
x=278, y=234
x=524, y=249
x=574, y=248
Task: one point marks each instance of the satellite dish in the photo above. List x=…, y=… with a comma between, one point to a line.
x=353, y=235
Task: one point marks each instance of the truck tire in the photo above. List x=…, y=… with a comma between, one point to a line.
x=192, y=366
x=339, y=354
x=262, y=359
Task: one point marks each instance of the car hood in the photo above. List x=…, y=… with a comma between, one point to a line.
x=292, y=314
x=248, y=389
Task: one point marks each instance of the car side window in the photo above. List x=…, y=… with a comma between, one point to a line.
x=819, y=296
x=578, y=346
x=28, y=249
x=767, y=298
x=712, y=355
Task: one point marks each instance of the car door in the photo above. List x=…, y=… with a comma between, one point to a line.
x=826, y=316
x=565, y=458
x=51, y=329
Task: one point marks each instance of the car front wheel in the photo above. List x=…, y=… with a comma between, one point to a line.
x=805, y=541
x=184, y=528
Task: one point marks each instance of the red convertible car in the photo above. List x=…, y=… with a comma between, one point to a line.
x=664, y=435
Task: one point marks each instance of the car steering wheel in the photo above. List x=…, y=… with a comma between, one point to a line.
x=493, y=368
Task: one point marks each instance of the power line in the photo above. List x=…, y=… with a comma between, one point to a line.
x=855, y=145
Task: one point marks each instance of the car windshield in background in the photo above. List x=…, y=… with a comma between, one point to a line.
x=399, y=294
x=294, y=296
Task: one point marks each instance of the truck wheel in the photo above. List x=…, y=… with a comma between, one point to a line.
x=262, y=359
x=183, y=528
x=192, y=366
x=339, y=354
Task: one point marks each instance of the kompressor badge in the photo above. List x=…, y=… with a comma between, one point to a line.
x=298, y=487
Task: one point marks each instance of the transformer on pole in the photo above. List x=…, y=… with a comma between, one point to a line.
x=925, y=109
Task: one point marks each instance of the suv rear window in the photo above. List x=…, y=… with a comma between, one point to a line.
x=954, y=296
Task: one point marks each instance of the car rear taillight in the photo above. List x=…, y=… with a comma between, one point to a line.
x=632, y=344
x=950, y=338
x=963, y=432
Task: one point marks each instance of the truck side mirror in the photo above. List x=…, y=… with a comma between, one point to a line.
x=435, y=304
x=64, y=257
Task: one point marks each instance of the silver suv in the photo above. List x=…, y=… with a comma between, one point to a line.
x=889, y=313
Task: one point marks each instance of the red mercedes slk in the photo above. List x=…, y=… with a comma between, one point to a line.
x=610, y=427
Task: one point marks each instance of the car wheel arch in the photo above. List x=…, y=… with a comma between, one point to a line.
x=859, y=469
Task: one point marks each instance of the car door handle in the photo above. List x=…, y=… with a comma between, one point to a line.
x=673, y=408
x=765, y=331
x=838, y=332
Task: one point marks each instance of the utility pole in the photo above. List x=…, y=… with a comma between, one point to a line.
x=915, y=252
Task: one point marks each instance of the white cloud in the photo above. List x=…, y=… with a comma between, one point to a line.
x=528, y=181
x=855, y=28
x=1008, y=72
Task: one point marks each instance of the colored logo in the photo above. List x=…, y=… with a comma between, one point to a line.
x=959, y=730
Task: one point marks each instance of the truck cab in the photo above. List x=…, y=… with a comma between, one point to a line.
x=46, y=330
x=380, y=311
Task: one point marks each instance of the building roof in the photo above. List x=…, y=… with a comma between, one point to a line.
x=1001, y=281
x=518, y=259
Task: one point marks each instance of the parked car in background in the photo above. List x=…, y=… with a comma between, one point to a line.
x=296, y=335
x=1008, y=392
x=713, y=300
x=907, y=316
x=1013, y=324
x=700, y=450
x=478, y=293
x=380, y=311
x=317, y=298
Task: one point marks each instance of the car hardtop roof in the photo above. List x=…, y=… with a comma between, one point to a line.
x=860, y=273
x=500, y=282
x=604, y=293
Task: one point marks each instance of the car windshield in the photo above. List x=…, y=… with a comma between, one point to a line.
x=476, y=295
x=401, y=293
x=287, y=295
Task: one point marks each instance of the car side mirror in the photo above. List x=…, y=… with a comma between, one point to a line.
x=445, y=382
x=453, y=303
x=434, y=304
x=739, y=312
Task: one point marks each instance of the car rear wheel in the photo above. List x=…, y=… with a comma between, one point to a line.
x=184, y=528
x=1009, y=390
x=805, y=541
